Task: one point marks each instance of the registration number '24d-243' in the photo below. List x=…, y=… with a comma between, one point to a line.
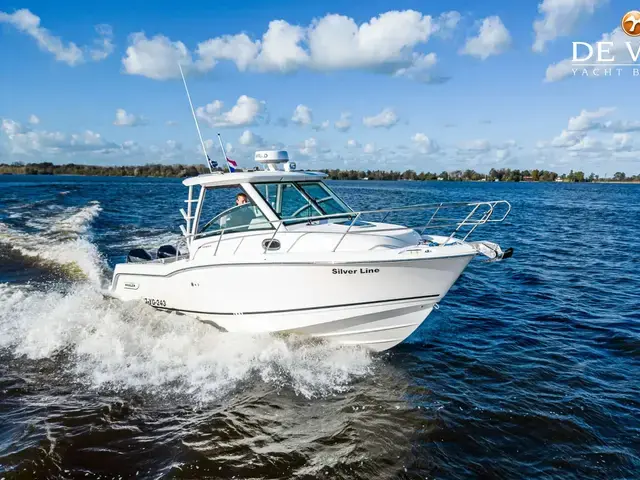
x=154, y=302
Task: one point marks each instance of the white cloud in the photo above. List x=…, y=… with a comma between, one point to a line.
x=321, y=126
x=369, y=148
x=248, y=138
x=480, y=145
x=239, y=49
x=247, y=111
x=25, y=141
x=344, y=124
x=337, y=42
x=34, y=120
x=302, y=115
x=560, y=18
x=386, y=118
x=103, y=44
x=622, y=126
x=69, y=53
x=385, y=43
x=622, y=142
x=493, y=39
x=281, y=50
x=309, y=147
x=447, y=22
x=587, y=143
x=351, y=143
x=619, y=50
x=419, y=69
x=124, y=119
x=171, y=123
x=565, y=139
x=424, y=144
x=587, y=137
x=587, y=120
x=158, y=58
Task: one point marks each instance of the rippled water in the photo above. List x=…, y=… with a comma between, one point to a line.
x=530, y=369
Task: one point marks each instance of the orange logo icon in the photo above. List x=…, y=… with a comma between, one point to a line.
x=631, y=23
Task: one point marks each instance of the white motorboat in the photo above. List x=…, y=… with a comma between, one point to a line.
x=295, y=258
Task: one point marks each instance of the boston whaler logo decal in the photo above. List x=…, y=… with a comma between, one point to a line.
x=354, y=271
x=131, y=285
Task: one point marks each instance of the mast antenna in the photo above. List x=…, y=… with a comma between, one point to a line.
x=211, y=164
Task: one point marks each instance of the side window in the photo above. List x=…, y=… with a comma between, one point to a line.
x=222, y=209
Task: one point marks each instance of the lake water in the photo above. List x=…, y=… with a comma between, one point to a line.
x=529, y=369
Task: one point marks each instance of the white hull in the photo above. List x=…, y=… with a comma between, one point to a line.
x=376, y=303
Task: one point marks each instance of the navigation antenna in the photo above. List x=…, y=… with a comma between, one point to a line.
x=195, y=119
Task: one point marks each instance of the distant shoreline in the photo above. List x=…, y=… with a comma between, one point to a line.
x=184, y=171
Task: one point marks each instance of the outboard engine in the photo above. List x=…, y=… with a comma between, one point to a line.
x=166, y=251
x=138, y=255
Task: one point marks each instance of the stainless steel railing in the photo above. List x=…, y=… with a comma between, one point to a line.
x=479, y=213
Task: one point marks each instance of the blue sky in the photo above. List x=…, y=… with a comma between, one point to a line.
x=425, y=85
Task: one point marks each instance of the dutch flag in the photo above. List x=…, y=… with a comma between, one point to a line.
x=232, y=164
x=212, y=164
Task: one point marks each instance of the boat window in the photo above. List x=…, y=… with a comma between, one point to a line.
x=288, y=201
x=324, y=197
x=222, y=210
x=293, y=200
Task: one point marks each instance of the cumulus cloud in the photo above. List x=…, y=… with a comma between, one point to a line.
x=124, y=119
x=492, y=39
x=28, y=23
x=158, y=57
x=588, y=120
x=309, y=147
x=622, y=142
x=386, y=43
x=23, y=140
x=302, y=115
x=344, y=123
x=420, y=69
x=249, y=139
x=247, y=111
x=590, y=134
x=447, y=22
x=618, y=49
x=34, y=120
x=559, y=18
x=351, y=143
x=387, y=118
x=424, y=144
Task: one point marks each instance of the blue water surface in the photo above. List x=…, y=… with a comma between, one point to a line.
x=529, y=369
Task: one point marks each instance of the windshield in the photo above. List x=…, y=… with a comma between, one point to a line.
x=297, y=200
x=324, y=197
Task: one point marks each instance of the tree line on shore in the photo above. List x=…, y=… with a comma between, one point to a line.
x=181, y=171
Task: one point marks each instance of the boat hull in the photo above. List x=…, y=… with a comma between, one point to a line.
x=376, y=304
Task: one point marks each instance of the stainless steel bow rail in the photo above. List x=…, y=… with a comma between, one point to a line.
x=471, y=216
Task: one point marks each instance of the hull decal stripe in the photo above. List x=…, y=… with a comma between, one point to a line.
x=267, y=263
x=376, y=302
